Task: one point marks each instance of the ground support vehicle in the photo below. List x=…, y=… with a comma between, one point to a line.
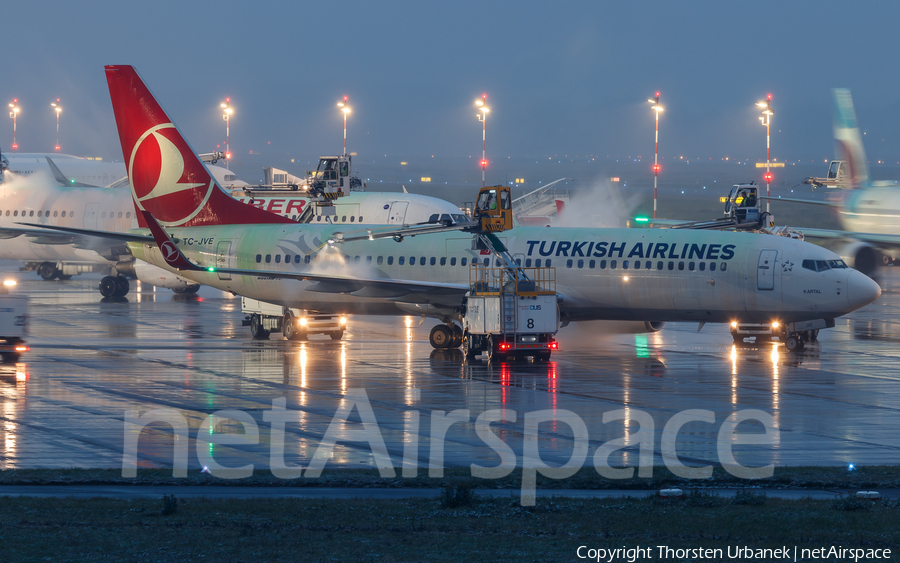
x=13, y=326
x=295, y=324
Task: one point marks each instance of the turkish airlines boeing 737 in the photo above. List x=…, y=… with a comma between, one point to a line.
x=613, y=274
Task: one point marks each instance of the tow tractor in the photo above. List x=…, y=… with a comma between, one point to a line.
x=509, y=310
x=13, y=323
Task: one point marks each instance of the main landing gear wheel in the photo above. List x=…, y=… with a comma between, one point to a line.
x=793, y=343
x=47, y=271
x=256, y=328
x=122, y=286
x=440, y=336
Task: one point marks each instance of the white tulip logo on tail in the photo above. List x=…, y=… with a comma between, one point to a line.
x=169, y=252
x=166, y=178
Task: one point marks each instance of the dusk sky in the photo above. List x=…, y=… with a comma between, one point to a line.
x=562, y=78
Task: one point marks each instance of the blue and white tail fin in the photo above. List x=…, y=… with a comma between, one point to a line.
x=848, y=145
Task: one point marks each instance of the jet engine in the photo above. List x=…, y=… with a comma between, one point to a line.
x=154, y=275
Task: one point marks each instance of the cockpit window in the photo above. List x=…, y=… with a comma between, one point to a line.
x=823, y=265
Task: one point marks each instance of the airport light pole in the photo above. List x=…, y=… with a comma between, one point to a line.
x=656, y=109
x=482, y=117
x=58, y=109
x=226, y=115
x=345, y=109
x=764, y=119
x=13, y=113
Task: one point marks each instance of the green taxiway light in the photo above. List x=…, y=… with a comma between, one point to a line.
x=210, y=269
x=641, y=219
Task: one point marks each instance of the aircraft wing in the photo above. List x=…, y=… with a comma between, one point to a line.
x=806, y=201
x=62, y=179
x=407, y=291
x=47, y=230
x=880, y=240
x=109, y=245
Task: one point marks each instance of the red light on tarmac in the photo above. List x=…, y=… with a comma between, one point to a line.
x=657, y=167
x=768, y=177
x=484, y=163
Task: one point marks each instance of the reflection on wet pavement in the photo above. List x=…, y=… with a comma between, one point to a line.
x=92, y=361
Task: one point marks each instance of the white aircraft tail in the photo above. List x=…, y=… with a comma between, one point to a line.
x=848, y=145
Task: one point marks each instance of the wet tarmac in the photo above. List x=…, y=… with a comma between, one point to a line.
x=91, y=361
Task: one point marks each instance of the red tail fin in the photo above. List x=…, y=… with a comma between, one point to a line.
x=166, y=176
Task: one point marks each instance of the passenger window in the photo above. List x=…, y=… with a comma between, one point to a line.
x=268, y=258
x=581, y=263
x=433, y=260
x=71, y=213
x=537, y=263
x=625, y=265
x=691, y=266
x=360, y=218
x=486, y=262
x=297, y=259
x=603, y=264
x=612, y=264
x=54, y=213
x=680, y=266
x=63, y=214
x=453, y=261
x=391, y=260
x=31, y=213
x=702, y=266
x=379, y=260
x=712, y=266
x=528, y=262
x=724, y=266
x=497, y=263
x=40, y=213
x=569, y=263
x=659, y=265
x=462, y=262
x=103, y=215
x=278, y=258
x=128, y=215
x=671, y=265
x=443, y=260
x=648, y=265
x=357, y=259
x=120, y=215
x=591, y=264
x=637, y=264
x=401, y=260
x=352, y=218
x=259, y=258
x=307, y=259
x=547, y=264
x=15, y=213
x=343, y=219
x=368, y=259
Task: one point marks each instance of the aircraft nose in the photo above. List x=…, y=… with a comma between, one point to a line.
x=861, y=290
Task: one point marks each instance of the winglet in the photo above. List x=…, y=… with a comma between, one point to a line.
x=170, y=252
